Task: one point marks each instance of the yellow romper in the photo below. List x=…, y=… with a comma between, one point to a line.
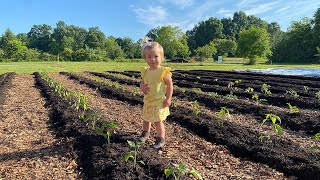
x=153, y=110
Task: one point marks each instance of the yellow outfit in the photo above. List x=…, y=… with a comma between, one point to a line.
x=153, y=110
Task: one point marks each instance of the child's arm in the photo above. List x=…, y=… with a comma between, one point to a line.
x=144, y=87
x=169, y=90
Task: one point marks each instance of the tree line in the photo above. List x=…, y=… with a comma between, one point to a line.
x=240, y=36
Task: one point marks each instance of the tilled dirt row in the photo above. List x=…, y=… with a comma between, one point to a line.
x=240, y=140
x=214, y=162
x=28, y=149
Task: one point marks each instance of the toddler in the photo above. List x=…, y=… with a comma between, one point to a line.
x=156, y=84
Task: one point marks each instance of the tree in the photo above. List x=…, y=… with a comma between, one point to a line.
x=113, y=50
x=130, y=48
x=40, y=37
x=253, y=43
x=225, y=47
x=95, y=38
x=12, y=46
x=206, y=51
x=204, y=32
x=173, y=41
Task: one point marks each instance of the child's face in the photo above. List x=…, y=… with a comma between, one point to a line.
x=153, y=59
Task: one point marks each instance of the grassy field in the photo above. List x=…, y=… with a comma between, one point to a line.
x=229, y=64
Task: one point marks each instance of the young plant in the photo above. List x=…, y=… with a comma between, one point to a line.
x=231, y=96
x=196, y=107
x=292, y=93
x=306, y=89
x=255, y=97
x=318, y=95
x=214, y=94
x=249, y=90
x=224, y=111
x=293, y=109
x=133, y=154
x=106, y=129
x=265, y=89
x=179, y=170
x=315, y=147
x=92, y=118
x=274, y=126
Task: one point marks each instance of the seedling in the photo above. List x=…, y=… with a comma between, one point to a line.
x=292, y=93
x=315, y=147
x=133, y=154
x=274, y=118
x=318, y=95
x=196, y=107
x=94, y=117
x=265, y=89
x=256, y=98
x=197, y=90
x=179, y=170
x=249, y=90
x=293, y=109
x=231, y=96
x=106, y=129
x=214, y=94
x=306, y=89
x=134, y=92
x=224, y=111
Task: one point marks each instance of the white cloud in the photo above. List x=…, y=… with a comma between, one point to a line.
x=261, y=8
x=152, y=16
x=244, y=3
x=225, y=13
x=180, y=3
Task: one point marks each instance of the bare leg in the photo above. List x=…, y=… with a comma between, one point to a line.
x=146, y=126
x=160, y=129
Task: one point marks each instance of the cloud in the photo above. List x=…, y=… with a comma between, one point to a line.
x=225, y=13
x=261, y=8
x=245, y=3
x=152, y=16
x=180, y=3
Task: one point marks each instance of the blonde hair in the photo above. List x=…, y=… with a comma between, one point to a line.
x=152, y=46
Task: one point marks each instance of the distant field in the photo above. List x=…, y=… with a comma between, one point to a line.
x=229, y=64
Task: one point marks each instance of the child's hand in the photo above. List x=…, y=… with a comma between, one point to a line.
x=145, y=88
x=166, y=102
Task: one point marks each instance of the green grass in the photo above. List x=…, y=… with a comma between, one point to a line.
x=30, y=67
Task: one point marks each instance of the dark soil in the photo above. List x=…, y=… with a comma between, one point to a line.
x=281, y=154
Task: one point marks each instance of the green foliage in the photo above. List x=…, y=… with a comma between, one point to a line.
x=179, y=170
x=196, y=107
x=293, y=109
x=106, y=129
x=265, y=89
x=224, y=111
x=172, y=39
x=133, y=154
x=274, y=126
x=206, y=51
x=317, y=146
x=253, y=43
x=249, y=90
x=292, y=93
x=306, y=89
x=318, y=96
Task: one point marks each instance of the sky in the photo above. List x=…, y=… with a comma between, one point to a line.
x=134, y=18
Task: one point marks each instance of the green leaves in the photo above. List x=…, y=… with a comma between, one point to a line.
x=181, y=169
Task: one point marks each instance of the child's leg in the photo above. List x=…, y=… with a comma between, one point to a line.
x=146, y=131
x=160, y=141
x=160, y=129
x=146, y=126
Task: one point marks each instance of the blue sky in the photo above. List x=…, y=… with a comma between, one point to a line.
x=134, y=18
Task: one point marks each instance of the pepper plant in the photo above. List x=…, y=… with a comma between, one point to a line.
x=106, y=129
x=196, y=107
x=179, y=170
x=293, y=109
x=133, y=154
x=274, y=126
x=315, y=147
x=265, y=89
